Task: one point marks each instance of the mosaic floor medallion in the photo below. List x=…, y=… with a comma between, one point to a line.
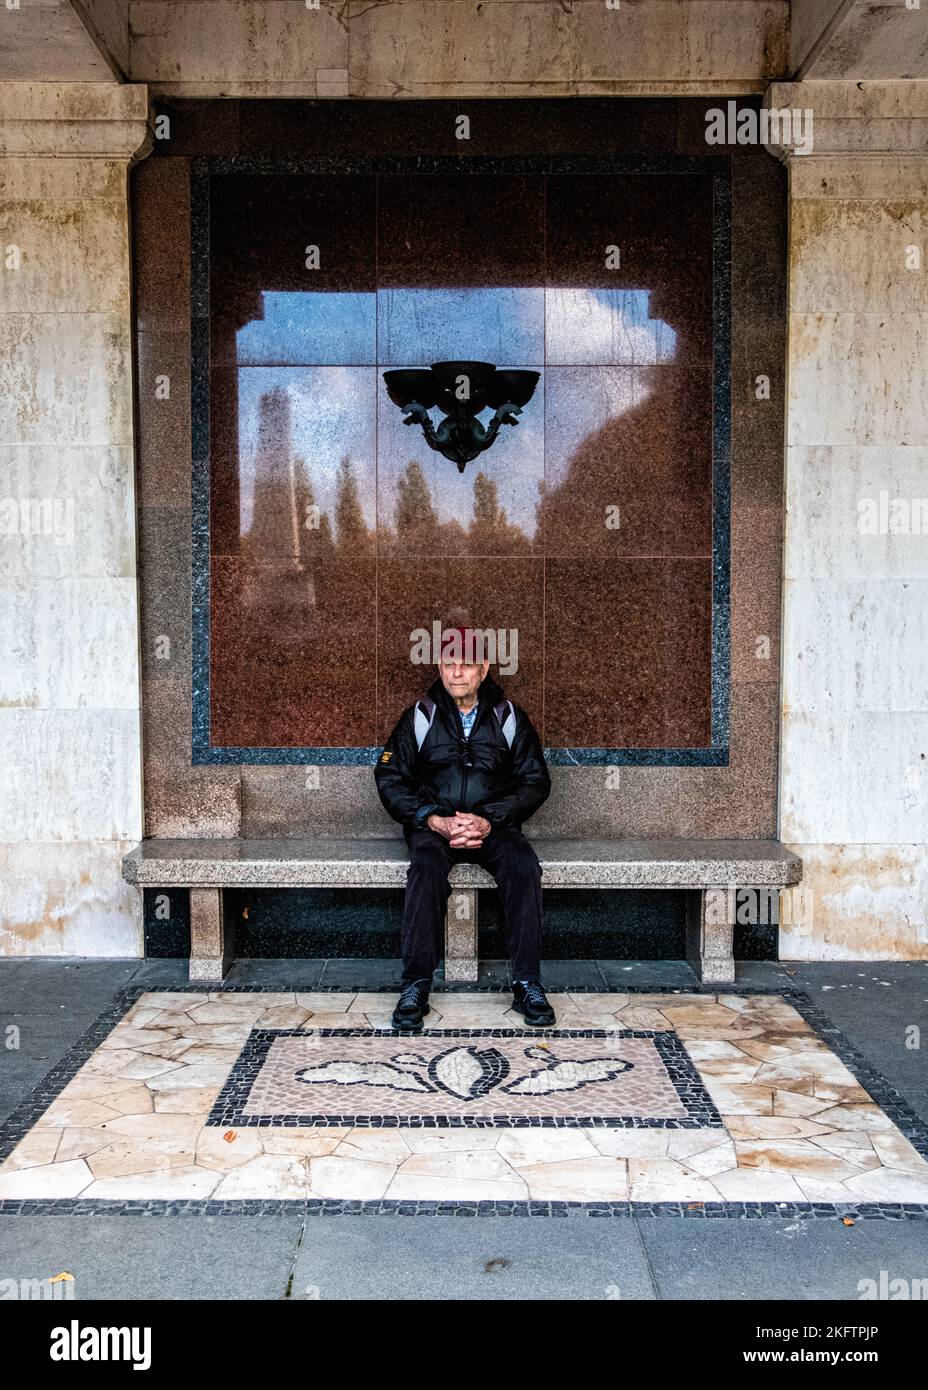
x=450, y=1077
x=737, y=1104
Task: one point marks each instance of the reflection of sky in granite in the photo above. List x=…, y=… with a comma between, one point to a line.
x=312, y=329
x=502, y=326
x=321, y=348
x=603, y=326
x=417, y=327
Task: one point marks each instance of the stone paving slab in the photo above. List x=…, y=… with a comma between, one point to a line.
x=788, y=1259
x=487, y=1259
x=126, y=1117
x=446, y=1258
x=137, y=1258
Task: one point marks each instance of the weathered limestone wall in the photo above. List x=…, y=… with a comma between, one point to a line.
x=455, y=48
x=70, y=759
x=854, y=740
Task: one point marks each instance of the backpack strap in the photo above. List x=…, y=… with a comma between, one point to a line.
x=505, y=713
x=425, y=713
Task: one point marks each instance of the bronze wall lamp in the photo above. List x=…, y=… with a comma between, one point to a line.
x=460, y=390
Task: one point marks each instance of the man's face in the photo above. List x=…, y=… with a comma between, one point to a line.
x=462, y=679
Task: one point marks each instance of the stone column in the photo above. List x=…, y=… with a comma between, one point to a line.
x=854, y=758
x=70, y=779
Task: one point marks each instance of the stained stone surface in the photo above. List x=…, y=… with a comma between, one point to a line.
x=135, y=1120
x=382, y=863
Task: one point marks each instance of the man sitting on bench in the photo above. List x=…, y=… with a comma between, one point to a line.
x=461, y=772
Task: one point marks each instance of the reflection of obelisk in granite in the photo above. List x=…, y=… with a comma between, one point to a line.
x=278, y=584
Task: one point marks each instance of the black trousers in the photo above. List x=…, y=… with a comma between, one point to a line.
x=509, y=857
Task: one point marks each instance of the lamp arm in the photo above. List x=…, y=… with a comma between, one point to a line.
x=505, y=415
x=417, y=414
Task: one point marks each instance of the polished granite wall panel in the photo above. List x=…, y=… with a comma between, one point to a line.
x=737, y=801
x=759, y=233
x=662, y=227
x=633, y=443
x=166, y=918
x=163, y=407
x=304, y=683
x=411, y=592
x=164, y=566
x=425, y=237
x=179, y=798
x=623, y=421
x=741, y=797
x=318, y=923
x=310, y=802
x=182, y=800
x=602, y=685
x=161, y=245
x=496, y=128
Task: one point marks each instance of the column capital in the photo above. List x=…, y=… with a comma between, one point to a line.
x=80, y=120
x=857, y=120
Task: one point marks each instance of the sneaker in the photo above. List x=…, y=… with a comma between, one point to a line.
x=530, y=1000
x=412, y=1004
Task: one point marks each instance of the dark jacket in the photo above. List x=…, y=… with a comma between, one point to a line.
x=449, y=773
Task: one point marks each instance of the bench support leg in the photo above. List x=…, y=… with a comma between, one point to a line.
x=461, y=935
x=211, y=945
x=709, y=930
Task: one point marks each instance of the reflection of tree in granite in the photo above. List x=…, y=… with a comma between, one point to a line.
x=350, y=526
x=415, y=513
x=490, y=531
x=315, y=527
x=419, y=531
x=279, y=593
x=487, y=513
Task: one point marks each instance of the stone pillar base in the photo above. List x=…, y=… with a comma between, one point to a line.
x=709, y=935
x=211, y=945
x=461, y=935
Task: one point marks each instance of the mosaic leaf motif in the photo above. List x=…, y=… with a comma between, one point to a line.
x=347, y=1073
x=468, y=1072
x=569, y=1075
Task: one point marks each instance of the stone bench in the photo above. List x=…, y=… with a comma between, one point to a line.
x=207, y=867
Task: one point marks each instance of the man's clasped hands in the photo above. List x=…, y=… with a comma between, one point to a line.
x=462, y=830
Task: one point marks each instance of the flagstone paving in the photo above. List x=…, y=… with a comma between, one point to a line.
x=796, y=1124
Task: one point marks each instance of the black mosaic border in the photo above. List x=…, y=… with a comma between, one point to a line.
x=202, y=169
x=701, y=1113
x=22, y=1119
x=330, y=1206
